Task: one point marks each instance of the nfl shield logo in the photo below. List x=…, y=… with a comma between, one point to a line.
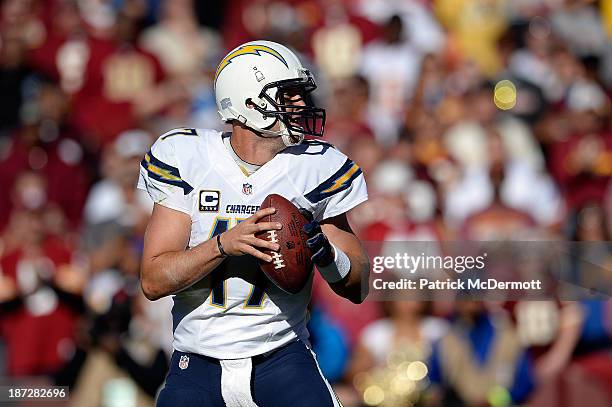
x=247, y=189
x=184, y=362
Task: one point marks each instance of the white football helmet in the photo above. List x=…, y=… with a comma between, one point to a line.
x=257, y=84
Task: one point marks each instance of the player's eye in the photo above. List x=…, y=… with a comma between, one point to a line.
x=291, y=95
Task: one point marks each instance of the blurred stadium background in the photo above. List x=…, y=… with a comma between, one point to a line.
x=472, y=119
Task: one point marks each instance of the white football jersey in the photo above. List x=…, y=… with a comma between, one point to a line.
x=235, y=311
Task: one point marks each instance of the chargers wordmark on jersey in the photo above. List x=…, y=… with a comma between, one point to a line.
x=241, y=209
x=163, y=172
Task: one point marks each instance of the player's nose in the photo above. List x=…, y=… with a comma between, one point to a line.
x=297, y=101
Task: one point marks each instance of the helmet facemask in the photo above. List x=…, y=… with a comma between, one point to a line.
x=293, y=108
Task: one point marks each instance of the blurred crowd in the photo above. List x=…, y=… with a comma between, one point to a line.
x=471, y=119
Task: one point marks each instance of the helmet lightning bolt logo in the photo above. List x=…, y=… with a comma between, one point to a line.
x=249, y=50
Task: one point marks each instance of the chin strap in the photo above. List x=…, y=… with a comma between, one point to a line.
x=288, y=140
x=283, y=132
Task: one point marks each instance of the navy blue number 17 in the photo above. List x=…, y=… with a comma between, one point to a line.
x=219, y=295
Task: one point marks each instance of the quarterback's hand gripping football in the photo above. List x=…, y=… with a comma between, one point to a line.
x=241, y=240
x=321, y=249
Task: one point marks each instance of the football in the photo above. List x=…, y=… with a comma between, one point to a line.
x=291, y=265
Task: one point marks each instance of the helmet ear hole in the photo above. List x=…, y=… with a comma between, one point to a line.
x=249, y=103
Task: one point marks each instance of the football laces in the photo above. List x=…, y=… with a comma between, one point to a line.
x=272, y=236
x=277, y=258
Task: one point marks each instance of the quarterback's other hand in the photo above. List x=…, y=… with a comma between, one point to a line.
x=241, y=240
x=322, y=252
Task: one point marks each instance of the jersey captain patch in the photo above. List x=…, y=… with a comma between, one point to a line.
x=163, y=172
x=338, y=182
x=209, y=200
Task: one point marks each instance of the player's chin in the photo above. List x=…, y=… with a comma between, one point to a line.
x=296, y=138
x=304, y=127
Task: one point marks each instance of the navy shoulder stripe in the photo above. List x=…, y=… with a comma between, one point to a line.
x=162, y=172
x=339, y=181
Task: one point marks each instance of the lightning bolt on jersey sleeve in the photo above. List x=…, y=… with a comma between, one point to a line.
x=341, y=186
x=161, y=175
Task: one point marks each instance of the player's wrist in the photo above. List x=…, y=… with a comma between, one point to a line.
x=326, y=254
x=338, y=269
x=220, y=248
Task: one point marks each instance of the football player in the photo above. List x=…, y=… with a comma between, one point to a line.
x=239, y=340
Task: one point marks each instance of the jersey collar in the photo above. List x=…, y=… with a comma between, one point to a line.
x=225, y=164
